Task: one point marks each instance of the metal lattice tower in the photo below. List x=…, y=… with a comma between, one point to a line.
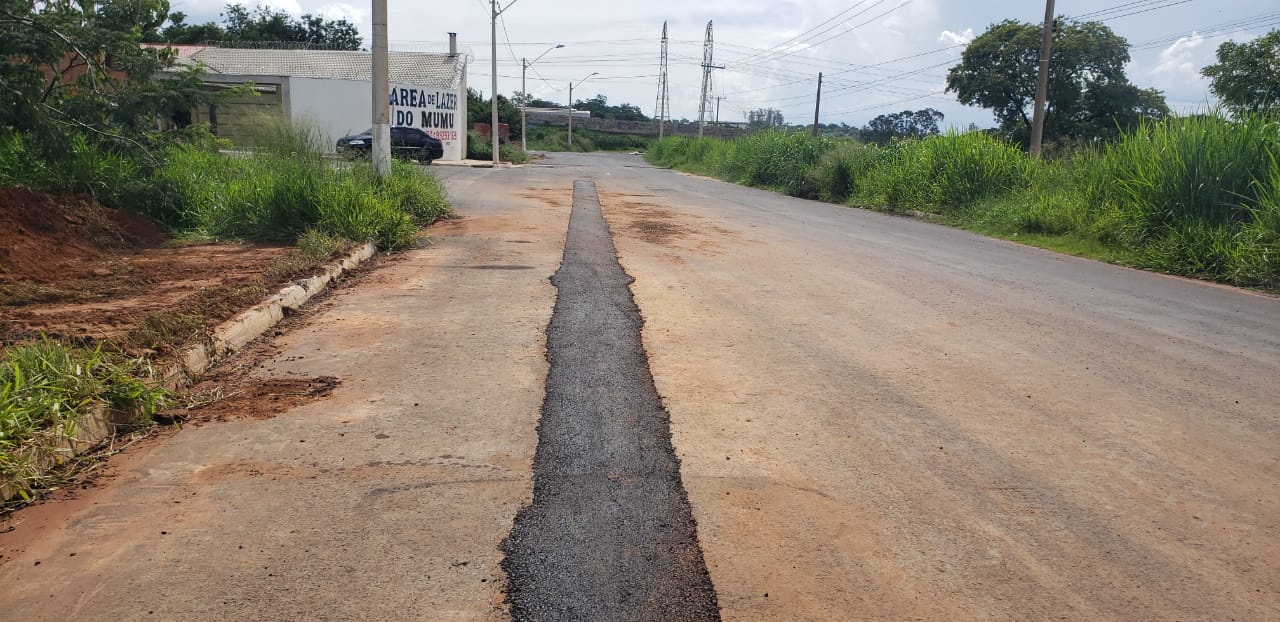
x=663, y=107
x=708, y=50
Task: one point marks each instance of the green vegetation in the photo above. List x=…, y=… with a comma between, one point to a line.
x=282, y=190
x=261, y=26
x=545, y=138
x=1089, y=94
x=1197, y=196
x=1247, y=75
x=46, y=390
x=481, y=148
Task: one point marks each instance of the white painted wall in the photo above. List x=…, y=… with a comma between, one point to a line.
x=342, y=107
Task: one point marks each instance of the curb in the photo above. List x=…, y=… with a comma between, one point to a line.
x=248, y=325
x=101, y=424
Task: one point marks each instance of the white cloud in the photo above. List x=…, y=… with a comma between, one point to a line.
x=956, y=38
x=1180, y=59
x=343, y=10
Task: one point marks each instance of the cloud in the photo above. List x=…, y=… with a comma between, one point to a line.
x=956, y=38
x=1180, y=59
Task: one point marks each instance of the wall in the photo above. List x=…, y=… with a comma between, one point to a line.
x=643, y=128
x=342, y=107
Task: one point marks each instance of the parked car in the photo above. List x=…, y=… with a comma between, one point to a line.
x=406, y=142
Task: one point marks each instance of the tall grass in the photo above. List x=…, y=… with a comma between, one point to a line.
x=1198, y=196
x=48, y=388
x=282, y=188
x=287, y=187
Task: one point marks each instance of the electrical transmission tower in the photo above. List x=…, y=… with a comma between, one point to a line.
x=708, y=50
x=664, y=100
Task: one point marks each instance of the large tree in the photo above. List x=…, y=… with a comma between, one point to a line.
x=79, y=70
x=905, y=124
x=1089, y=94
x=1247, y=75
x=263, y=25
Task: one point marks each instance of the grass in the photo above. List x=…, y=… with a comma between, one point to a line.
x=287, y=187
x=1196, y=196
x=46, y=390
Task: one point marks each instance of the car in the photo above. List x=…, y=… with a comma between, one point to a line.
x=407, y=142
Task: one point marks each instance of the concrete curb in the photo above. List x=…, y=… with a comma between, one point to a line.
x=233, y=334
x=227, y=338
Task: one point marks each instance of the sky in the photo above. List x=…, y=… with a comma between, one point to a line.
x=877, y=56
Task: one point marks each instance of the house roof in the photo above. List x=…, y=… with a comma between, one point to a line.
x=431, y=70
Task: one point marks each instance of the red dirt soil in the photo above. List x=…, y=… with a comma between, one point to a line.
x=71, y=267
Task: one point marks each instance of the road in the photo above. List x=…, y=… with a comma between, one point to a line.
x=875, y=418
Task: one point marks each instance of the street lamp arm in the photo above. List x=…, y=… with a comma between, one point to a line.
x=504, y=9
x=555, y=47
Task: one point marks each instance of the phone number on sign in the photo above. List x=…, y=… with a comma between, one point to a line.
x=444, y=135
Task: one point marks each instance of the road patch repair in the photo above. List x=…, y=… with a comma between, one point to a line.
x=609, y=534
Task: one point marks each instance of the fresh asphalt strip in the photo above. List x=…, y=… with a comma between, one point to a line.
x=609, y=535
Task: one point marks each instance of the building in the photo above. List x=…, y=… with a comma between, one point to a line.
x=330, y=91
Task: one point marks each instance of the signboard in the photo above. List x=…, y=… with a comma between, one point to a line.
x=434, y=111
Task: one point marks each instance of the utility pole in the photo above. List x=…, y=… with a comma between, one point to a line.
x=708, y=51
x=1042, y=81
x=381, y=93
x=718, y=100
x=817, y=106
x=493, y=68
x=524, y=95
x=664, y=101
x=594, y=73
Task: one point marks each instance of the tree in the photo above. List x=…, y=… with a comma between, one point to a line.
x=905, y=124
x=479, y=110
x=80, y=71
x=764, y=118
x=241, y=25
x=599, y=107
x=180, y=32
x=1089, y=94
x=1247, y=75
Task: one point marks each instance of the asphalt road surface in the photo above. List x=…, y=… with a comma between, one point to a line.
x=875, y=419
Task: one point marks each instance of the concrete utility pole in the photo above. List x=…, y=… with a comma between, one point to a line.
x=817, y=106
x=594, y=73
x=381, y=149
x=493, y=68
x=664, y=101
x=524, y=95
x=719, y=98
x=1042, y=81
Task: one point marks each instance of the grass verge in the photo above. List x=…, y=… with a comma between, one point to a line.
x=1196, y=196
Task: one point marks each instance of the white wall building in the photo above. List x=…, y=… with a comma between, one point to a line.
x=330, y=90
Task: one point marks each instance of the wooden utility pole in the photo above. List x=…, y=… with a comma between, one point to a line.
x=817, y=106
x=1042, y=80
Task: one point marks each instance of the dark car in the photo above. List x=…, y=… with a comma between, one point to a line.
x=406, y=142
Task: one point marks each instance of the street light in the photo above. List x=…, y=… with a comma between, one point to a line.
x=594, y=73
x=495, y=12
x=524, y=93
